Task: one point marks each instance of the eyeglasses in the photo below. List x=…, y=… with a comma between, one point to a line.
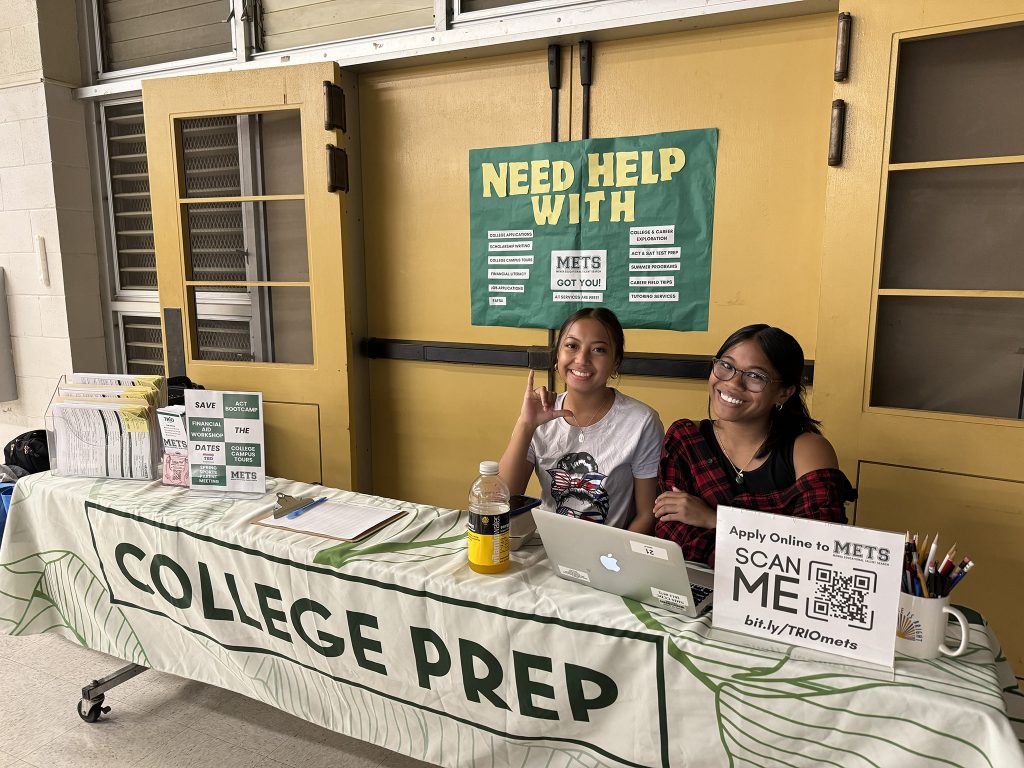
x=752, y=380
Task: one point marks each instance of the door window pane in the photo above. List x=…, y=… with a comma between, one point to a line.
x=247, y=241
x=958, y=96
x=280, y=329
x=958, y=355
x=955, y=228
x=232, y=155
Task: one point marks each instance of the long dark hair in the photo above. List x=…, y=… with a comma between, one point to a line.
x=787, y=358
x=606, y=318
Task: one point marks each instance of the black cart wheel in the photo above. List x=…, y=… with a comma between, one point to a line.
x=91, y=709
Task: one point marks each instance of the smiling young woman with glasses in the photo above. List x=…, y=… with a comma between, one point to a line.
x=760, y=449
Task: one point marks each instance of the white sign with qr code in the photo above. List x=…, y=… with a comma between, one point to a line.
x=825, y=586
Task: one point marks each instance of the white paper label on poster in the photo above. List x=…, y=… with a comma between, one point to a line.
x=655, y=296
x=825, y=586
x=509, y=234
x=655, y=266
x=649, y=235
x=511, y=245
x=504, y=260
x=655, y=253
x=225, y=440
x=661, y=281
x=579, y=270
x=580, y=297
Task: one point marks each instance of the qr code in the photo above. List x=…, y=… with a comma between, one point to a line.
x=841, y=595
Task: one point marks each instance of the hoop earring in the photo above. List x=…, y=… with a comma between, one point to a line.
x=778, y=406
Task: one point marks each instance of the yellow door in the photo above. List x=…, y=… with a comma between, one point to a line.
x=920, y=372
x=260, y=259
x=769, y=96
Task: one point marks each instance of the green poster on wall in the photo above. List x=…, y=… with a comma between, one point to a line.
x=623, y=223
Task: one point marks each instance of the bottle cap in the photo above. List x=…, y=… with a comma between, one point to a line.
x=488, y=467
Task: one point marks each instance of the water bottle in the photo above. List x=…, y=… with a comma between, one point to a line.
x=488, y=521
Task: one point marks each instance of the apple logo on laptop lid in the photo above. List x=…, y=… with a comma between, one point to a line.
x=610, y=562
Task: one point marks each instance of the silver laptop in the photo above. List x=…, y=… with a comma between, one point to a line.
x=633, y=565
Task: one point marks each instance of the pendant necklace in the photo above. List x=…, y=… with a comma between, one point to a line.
x=739, y=479
x=592, y=421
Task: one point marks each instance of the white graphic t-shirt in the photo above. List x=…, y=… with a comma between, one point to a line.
x=594, y=479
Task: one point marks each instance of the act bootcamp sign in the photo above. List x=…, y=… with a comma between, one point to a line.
x=819, y=585
x=623, y=223
x=225, y=440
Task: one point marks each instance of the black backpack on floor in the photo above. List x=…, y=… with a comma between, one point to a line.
x=28, y=451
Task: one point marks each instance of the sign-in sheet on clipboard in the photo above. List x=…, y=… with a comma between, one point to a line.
x=336, y=520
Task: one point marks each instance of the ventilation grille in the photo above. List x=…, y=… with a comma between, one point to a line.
x=129, y=188
x=219, y=339
x=143, y=345
x=224, y=340
x=210, y=151
x=217, y=241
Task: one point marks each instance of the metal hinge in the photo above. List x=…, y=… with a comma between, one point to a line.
x=337, y=169
x=334, y=107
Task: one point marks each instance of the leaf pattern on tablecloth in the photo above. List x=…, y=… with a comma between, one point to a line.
x=57, y=592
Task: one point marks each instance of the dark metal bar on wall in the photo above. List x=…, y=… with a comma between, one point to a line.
x=842, y=70
x=538, y=358
x=555, y=84
x=837, y=131
x=174, y=341
x=586, y=80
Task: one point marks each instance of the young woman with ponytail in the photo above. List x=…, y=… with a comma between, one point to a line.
x=759, y=450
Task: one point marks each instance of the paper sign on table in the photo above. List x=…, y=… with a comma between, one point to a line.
x=819, y=585
x=225, y=440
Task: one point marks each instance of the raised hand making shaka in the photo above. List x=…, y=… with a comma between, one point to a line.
x=539, y=405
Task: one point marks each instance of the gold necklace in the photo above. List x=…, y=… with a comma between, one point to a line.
x=739, y=472
x=594, y=418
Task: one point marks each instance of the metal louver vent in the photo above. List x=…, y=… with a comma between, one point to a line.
x=217, y=241
x=210, y=151
x=218, y=340
x=143, y=344
x=216, y=230
x=224, y=340
x=130, y=206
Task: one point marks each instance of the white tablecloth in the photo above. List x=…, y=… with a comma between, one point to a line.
x=395, y=641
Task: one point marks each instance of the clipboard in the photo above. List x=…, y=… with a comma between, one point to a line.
x=287, y=504
x=334, y=519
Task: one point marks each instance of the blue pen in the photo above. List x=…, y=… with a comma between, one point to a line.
x=300, y=510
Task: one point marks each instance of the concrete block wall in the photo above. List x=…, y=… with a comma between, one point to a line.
x=45, y=192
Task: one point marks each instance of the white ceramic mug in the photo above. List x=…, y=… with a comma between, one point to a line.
x=921, y=627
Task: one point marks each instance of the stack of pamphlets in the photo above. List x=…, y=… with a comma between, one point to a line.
x=174, y=435
x=102, y=425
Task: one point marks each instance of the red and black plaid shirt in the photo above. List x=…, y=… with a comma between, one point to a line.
x=689, y=464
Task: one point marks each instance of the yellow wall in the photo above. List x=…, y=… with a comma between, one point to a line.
x=765, y=86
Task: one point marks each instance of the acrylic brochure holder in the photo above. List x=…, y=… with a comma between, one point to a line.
x=97, y=433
